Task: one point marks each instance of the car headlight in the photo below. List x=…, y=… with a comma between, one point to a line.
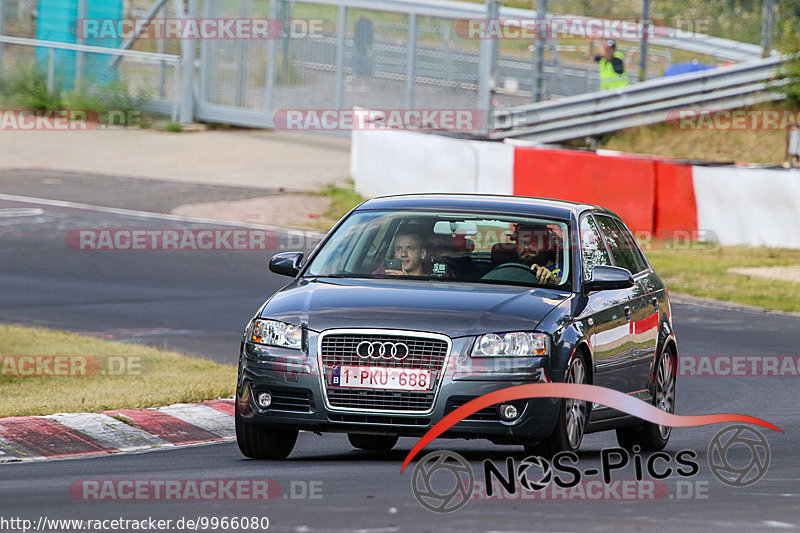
x=520, y=343
x=274, y=333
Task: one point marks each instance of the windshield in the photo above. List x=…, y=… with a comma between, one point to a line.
x=458, y=247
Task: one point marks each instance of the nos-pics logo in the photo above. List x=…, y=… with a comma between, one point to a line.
x=443, y=481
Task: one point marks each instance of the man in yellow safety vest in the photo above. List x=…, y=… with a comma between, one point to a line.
x=612, y=67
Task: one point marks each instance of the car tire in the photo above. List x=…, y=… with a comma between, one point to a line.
x=375, y=443
x=649, y=436
x=263, y=442
x=572, y=418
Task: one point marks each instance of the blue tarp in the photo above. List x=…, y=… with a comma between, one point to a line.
x=687, y=66
x=57, y=21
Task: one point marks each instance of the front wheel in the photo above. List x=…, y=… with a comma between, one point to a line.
x=378, y=443
x=649, y=436
x=572, y=419
x=263, y=442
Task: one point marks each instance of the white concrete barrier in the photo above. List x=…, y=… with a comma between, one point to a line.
x=385, y=162
x=756, y=207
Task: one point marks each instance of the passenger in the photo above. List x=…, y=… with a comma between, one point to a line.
x=538, y=247
x=409, y=248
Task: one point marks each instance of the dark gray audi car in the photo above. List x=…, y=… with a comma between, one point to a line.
x=414, y=305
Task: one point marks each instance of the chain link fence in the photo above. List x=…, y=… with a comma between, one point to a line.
x=337, y=54
x=67, y=69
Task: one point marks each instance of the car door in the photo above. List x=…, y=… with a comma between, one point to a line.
x=643, y=323
x=609, y=328
x=645, y=320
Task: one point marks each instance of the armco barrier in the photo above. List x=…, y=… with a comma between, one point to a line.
x=625, y=185
x=757, y=207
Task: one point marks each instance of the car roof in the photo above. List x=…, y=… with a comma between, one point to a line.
x=495, y=203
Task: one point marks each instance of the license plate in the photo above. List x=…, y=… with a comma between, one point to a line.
x=377, y=377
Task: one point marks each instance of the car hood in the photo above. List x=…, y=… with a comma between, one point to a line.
x=454, y=309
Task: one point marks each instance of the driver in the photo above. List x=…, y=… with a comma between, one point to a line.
x=538, y=247
x=410, y=250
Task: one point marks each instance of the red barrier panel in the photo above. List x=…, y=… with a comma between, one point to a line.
x=625, y=185
x=676, y=209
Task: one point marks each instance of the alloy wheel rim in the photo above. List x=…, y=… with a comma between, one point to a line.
x=665, y=391
x=576, y=409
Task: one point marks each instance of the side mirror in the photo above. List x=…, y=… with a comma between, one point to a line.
x=606, y=277
x=286, y=264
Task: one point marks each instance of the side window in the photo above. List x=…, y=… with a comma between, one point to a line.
x=593, y=252
x=630, y=244
x=620, y=250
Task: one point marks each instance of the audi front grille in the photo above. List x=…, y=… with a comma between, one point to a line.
x=424, y=351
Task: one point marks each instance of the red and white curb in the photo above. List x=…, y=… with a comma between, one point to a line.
x=37, y=438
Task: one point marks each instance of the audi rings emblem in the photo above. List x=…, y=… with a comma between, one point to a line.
x=382, y=350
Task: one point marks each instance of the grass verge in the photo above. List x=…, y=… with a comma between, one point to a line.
x=701, y=270
x=761, y=146
x=142, y=376
x=342, y=198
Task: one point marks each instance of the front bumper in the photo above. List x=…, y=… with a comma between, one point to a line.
x=294, y=381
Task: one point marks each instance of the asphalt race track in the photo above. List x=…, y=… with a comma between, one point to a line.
x=198, y=302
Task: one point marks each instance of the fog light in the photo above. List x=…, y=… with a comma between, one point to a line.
x=508, y=411
x=264, y=399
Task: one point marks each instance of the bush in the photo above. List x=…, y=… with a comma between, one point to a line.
x=791, y=72
x=27, y=89
x=113, y=104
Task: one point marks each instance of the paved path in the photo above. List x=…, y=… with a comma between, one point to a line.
x=244, y=158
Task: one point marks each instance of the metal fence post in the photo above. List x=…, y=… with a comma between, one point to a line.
x=538, y=49
x=51, y=70
x=241, y=60
x=767, y=27
x=341, y=33
x=645, y=29
x=186, y=114
x=2, y=30
x=80, y=59
x=410, y=60
x=272, y=57
x=162, y=69
x=176, y=98
x=211, y=47
x=486, y=70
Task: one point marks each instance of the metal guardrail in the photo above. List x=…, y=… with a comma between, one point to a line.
x=681, y=40
x=52, y=46
x=637, y=105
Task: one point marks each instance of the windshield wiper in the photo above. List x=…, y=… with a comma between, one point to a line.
x=342, y=276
